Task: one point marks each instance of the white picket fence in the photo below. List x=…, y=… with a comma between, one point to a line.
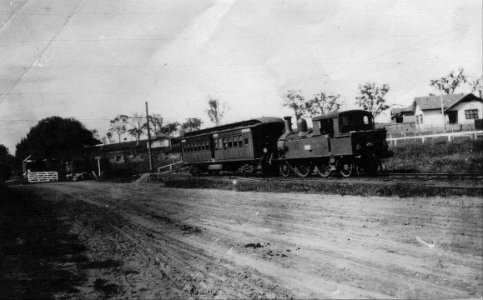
x=47, y=176
x=423, y=138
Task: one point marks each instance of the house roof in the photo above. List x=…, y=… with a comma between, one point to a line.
x=124, y=145
x=434, y=102
x=401, y=110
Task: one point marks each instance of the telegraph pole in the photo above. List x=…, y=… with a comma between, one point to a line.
x=149, y=141
x=442, y=112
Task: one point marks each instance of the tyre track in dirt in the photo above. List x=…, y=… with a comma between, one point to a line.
x=322, y=246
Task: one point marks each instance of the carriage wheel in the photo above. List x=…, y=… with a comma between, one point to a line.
x=346, y=168
x=323, y=170
x=303, y=169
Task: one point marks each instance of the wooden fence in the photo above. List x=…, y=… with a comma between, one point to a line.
x=42, y=176
x=171, y=167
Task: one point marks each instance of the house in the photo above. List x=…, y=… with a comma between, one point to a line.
x=458, y=109
x=164, y=141
x=133, y=155
x=402, y=115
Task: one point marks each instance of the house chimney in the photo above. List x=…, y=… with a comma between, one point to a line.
x=288, y=124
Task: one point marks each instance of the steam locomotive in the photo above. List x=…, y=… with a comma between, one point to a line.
x=344, y=143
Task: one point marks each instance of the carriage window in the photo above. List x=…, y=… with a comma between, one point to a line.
x=225, y=143
x=366, y=120
x=240, y=142
x=230, y=143
x=203, y=145
x=246, y=142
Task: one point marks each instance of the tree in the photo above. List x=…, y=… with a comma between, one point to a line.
x=109, y=137
x=476, y=86
x=156, y=121
x=296, y=101
x=7, y=162
x=215, y=111
x=321, y=104
x=170, y=128
x=56, y=138
x=372, y=98
x=191, y=124
x=448, y=84
x=138, y=126
x=119, y=126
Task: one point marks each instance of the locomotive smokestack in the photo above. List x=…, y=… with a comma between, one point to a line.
x=288, y=124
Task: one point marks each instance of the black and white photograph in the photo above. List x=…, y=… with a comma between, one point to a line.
x=241, y=149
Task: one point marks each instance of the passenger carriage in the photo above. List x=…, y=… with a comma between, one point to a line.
x=247, y=146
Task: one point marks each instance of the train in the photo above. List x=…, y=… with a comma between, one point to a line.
x=342, y=143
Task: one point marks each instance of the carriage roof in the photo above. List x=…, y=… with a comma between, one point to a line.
x=238, y=125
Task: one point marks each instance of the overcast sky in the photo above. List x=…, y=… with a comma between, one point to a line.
x=95, y=59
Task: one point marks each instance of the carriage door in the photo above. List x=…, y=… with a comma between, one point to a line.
x=212, y=142
x=247, y=152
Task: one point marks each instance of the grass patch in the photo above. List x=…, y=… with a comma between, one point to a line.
x=340, y=187
x=459, y=156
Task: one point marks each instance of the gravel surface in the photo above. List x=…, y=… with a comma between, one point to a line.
x=93, y=239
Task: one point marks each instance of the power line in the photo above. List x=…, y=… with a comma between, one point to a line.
x=41, y=52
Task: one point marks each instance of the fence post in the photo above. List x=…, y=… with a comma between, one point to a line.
x=422, y=139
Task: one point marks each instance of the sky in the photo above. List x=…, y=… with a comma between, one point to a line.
x=95, y=59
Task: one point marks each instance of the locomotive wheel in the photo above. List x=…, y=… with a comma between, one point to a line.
x=302, y=169
x=284, y=170
x=323, y=170
x=346, y=169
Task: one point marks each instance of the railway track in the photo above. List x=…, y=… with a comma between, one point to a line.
x=428, y=176
x=386, y=175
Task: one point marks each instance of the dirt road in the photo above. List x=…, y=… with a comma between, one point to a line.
x=151, y=241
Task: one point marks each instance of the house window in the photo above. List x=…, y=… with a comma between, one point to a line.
x=471, y=114
x=419, y=119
